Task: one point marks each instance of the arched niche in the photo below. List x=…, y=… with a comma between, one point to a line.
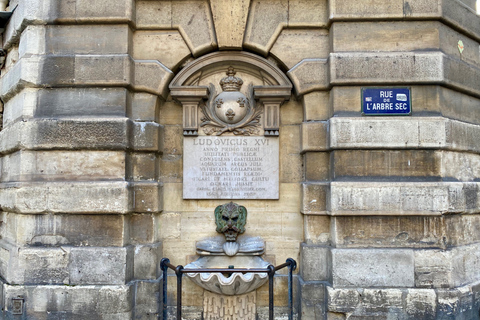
x=200, y=81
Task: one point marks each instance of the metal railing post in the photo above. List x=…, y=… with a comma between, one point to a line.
x=164, y=267
x=291, y=267
x=179, y=273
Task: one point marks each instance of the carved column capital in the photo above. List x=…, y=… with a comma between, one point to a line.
x=272, y=98
x=190, y=97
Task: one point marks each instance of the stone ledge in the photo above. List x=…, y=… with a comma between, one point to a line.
x=461, y=302
x=416, y=232
x=118, y=70
x=56, y=197
x=85, y=302
x=389, y=198
x=403, y=133
x=457, y=14
x=82, y=133
x=98, y=197
x=381, y=302
x=402, y=198
x=74, y=39
x=368, y=68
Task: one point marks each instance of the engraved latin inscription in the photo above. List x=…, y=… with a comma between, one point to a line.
x=230, y=168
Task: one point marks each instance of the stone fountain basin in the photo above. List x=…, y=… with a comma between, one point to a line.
x=234, y=284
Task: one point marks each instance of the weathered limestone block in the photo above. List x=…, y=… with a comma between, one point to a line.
x=90, y=197
x=401, y=36
x=144, y=229
x=376, y=9
x=315, y=197
x=97, y=265
x=147, y=297
x=144, y=107
x=463, y=136
x=79, y=302
x=64, y=229
x=68, y=102
x=394, y=132
x=98, y=70
x=458, y=303
x=397, y=36
x=317, y=229
x=294, y=45
x=147, y=196
x=317, y=106
x=290, y=158
x=317, y=166
x=315, y=136
x=380, y=231
x=381, y=303
x=372, y=268
x=63, y=165
x=307, y=13
x=385, y=67
x=147, y=136
x=147, y=261
x=315, y=262
x=413, y=232
x=267, y=19
x=74, y=39
x=230, y=18
x=26, y=13
x=447, y=269
x=152, y=76
x=342, y=300
x=88, y=11
x=312, y=300
x=310, y=75
x=192, y=19
x=421, y=303
x=107, y=133
x=142, y=166
x=166, y=46
x=403, y=164
x=265, y=22
x=384, y=198
x=25, y=73
x=39, y=266
x=462, y=17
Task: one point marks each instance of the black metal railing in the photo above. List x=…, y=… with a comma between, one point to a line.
x=270, y=270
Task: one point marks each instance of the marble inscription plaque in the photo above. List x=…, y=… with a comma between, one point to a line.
x=230, y=167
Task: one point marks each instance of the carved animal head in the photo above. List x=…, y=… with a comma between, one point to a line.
x=231, y=219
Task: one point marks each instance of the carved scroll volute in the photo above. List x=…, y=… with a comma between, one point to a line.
x=190, y=98
x=271, y=98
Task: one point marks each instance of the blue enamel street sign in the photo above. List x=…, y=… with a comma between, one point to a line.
x=386, y=101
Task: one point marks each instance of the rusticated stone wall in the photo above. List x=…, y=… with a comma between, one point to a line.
x=382, y=213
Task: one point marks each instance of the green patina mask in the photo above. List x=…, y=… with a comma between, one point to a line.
x=231, y=219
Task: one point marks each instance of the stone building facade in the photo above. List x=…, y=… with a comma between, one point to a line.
x=381, y=213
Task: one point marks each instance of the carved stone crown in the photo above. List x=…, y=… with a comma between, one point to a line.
x=231, y=83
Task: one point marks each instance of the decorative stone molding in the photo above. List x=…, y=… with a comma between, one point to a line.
x=238, y=109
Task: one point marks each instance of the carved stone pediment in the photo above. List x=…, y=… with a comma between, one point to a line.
x=231, y=93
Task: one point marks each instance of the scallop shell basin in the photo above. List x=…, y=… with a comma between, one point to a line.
x=235, y=284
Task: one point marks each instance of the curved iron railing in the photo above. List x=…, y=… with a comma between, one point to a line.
x=270, y=270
